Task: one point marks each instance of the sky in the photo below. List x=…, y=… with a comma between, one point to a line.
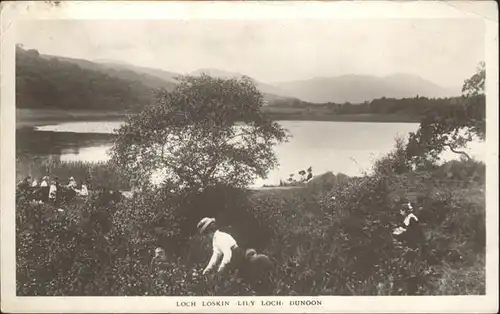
x=445, y=51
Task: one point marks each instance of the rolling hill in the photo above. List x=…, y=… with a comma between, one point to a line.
x=118, y=70
x=45, y=82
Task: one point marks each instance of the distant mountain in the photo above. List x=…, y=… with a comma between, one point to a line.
x=271, y=90
x=111, y=61
x=360, y=88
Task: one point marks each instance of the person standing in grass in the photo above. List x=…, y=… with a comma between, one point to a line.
x=55, y=191
x=224, y=245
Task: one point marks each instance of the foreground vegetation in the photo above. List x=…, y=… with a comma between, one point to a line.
x=321, y=246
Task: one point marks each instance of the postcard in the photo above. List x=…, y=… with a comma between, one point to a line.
x=247, y=157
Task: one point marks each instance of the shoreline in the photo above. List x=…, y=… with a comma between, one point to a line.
x=31, y=118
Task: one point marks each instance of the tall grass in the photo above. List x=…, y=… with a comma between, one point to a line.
x=97, y=173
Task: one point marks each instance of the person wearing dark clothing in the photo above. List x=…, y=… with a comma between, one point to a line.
x=58, y=193
x=259, y=271
x=43, y=190
x=410, y=230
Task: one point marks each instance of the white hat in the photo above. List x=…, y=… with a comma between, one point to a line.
x=204, y=223
x=71, y=178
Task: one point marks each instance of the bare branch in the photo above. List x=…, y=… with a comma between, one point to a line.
x=458, y=151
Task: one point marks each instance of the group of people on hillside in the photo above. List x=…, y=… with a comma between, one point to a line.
x=47, y=189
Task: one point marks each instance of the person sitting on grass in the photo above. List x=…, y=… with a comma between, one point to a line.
x=83, y=190
x=72, y=184
x=410, y=230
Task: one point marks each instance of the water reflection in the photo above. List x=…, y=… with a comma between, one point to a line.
x=93, y=153
x=346, y=147
x=65, y=144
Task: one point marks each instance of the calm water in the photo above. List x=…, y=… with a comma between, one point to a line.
x=346, y=147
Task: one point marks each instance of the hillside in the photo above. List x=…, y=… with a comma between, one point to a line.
x=51, y=82
x=360, y=88
x=165, y=76
x=117, y=70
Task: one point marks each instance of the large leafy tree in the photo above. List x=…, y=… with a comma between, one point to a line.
x=206, y=131
x=451, y=126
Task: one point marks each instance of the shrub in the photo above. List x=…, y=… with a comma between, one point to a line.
x=395, y=162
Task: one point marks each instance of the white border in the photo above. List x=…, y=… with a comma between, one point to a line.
x=13, y=12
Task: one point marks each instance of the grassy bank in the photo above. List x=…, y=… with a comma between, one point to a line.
x=322, y=114
x=321, y=245
x=97, y=173
x=26, y=118
x=37, y=117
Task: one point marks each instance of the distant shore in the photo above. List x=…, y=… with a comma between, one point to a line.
x=28, y=118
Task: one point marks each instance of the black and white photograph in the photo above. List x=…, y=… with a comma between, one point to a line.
x=282, y=161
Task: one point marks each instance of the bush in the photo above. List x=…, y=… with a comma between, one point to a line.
x=462, y=170
x=395, y=162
